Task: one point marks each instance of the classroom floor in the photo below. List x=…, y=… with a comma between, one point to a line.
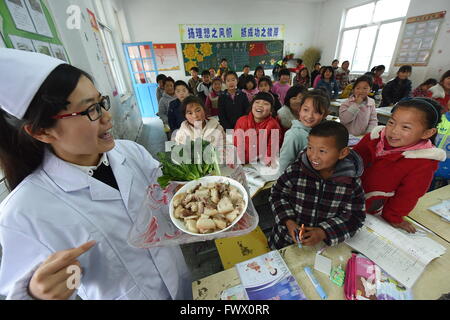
x=203, y=258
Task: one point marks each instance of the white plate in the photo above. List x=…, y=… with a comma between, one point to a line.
x=206, y=180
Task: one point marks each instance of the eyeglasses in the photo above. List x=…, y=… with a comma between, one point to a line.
x=94, y=112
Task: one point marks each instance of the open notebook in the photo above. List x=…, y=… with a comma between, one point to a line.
x=403, y=256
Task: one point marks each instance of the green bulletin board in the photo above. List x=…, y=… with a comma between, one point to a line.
x=238, y=53
x=18, y=38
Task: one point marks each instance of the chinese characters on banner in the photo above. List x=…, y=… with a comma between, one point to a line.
x=235, y=32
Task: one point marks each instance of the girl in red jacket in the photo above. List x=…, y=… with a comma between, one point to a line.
x=400, y=160
x=257, y=136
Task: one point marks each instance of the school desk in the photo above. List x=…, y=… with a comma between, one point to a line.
x=383, y=114
x=433, y=282
x=428, y=219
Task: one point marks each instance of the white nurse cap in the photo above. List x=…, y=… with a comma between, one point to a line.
x=21, y=75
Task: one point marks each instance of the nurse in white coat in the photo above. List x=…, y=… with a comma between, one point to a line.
x=76, y=192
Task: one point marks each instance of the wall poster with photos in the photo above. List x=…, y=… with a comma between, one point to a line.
x=28, y=25
x=418, y=39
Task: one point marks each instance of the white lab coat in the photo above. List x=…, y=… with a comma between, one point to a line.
x=59, y=207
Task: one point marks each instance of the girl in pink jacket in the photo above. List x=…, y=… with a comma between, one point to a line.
x=358, y=113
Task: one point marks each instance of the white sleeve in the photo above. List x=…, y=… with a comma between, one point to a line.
x=149, y=164
x=22, y=255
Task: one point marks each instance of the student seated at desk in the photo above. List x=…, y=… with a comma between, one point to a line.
x=400, y=160
x=441, y=92
x=328, y=83
x=233, y=103
x=204, y=87
x=174, y=116
x=289, y=111
x=263, y=125
x=358, y=113
x=250, y=87
x=212, y=100
x=265, y=85
x=321, y=190
x=282, y=86
x=313, y=110
x=198, y=125
x=398, y=88
x=422, y=89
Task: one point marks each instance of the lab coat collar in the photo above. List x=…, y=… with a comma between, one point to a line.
x=70, y=178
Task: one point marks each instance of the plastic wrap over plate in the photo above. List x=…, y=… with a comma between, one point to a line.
x=154, y=228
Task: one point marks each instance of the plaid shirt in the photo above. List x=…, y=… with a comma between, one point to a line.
x=336, y=204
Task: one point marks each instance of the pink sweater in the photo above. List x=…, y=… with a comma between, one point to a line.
x=359, y=119
x=280, y=90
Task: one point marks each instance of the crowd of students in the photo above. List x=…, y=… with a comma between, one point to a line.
x=314, y=151
x=76, y=191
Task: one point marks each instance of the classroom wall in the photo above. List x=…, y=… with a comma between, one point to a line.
x=157, y=21
x=83, y=53
x=330, y=21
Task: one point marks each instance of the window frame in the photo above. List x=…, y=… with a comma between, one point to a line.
x=378, y=24
x=113, y=59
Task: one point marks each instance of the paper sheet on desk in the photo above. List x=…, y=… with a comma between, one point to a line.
x=442, y=209
x=402, y=256
x=258, y=175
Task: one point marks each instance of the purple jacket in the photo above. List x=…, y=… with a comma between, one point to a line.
x=336, y=204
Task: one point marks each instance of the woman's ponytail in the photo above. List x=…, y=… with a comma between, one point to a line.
x=20, y=154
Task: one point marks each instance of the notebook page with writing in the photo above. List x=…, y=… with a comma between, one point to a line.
x=400, y=265
x=423, y=249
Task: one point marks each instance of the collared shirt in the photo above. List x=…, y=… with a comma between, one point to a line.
x=90, y=169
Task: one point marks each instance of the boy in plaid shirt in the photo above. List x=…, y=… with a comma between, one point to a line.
x=321, y=189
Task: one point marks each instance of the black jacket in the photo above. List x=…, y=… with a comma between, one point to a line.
x=394, y=91
x=231, y=110
x=174, y=115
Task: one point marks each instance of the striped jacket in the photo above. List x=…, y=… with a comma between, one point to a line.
x=336, y=204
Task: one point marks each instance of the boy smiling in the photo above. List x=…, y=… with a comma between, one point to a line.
x=321, y=189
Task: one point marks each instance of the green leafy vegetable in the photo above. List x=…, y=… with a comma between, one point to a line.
x=192, y=170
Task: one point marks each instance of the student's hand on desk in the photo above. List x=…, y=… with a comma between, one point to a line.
x=405, y=225
x=313, y=236
x=49, y=281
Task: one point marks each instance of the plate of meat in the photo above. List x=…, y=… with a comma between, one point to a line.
x=209, y=205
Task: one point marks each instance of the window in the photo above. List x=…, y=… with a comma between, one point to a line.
x=113, y=59
x=107, y=35
x=370, y=32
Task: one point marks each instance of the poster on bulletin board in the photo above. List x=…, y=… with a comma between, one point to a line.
x=28, y=25
x=21, y=17
x=418, y=39
x=166, y=56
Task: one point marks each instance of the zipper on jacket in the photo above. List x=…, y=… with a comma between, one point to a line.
x=321, y=184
